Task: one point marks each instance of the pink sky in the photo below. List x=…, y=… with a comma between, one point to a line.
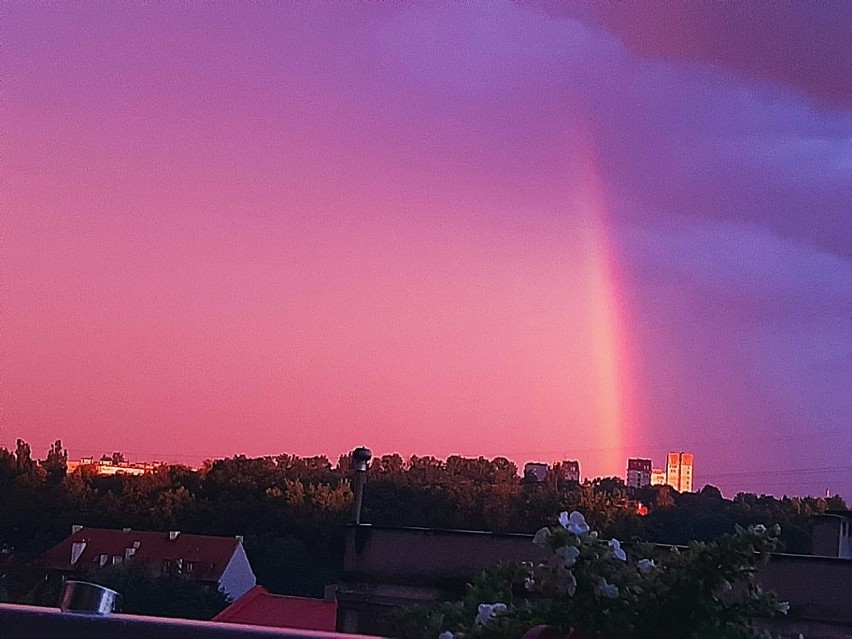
x=431, y=229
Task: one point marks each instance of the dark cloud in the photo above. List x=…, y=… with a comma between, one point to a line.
x=801, y=45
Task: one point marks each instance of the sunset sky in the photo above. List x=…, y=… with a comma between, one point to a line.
x=537, y=230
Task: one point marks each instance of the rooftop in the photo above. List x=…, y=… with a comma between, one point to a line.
x=84, y=548
x=261, y=608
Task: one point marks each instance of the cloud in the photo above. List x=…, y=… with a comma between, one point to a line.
x=747, y=263
x=799, y=45
x=675, y=140
x=680, y=142
x=492, y=47
x=740, y=332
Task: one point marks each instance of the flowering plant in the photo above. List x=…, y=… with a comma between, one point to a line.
x=590, y=586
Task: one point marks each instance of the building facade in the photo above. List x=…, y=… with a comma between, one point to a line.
x=638, y=473
x=679, y=471
x=571, y=470
x=658, y=477
x=535, y=472
x=106, y=466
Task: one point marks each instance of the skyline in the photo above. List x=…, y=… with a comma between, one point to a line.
x=518, y=229
x=735, y=482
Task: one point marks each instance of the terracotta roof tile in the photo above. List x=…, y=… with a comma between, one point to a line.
x=208, y=556
x=259, y=607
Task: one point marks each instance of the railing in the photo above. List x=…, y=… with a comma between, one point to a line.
x=35, y=622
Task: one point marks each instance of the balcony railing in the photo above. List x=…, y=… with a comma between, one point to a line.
x=35, y=622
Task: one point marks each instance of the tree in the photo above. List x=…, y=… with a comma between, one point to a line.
x=8, y=467
x=388, y=466
x=145, y=590
x=711, y=492
x=24, y=464
x=611, y=486
x=56, y=463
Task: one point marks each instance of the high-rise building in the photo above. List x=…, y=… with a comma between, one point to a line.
x=571, y=470
x=638, y=473
x=679, y=471
x=538, y=472
x=535, y=472
x=658, y=477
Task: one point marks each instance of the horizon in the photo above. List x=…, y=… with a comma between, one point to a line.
x=728, y=486
x=524, y=229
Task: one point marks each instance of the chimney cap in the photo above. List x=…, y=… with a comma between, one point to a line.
x=360, y=457
x=173, y=535
x=88, y=598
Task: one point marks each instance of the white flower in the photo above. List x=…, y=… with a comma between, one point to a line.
x=645, y=565
x=566, y=582
x=783, y=607
x=487, y=612
x=575, y=522
x=568, y=555
x=760, y=529
x=610, y=591
x=726, y=586
x=446, y=635
x=541, y=536
x=616, y=549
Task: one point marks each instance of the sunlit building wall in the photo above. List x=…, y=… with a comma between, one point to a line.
x=679, y=471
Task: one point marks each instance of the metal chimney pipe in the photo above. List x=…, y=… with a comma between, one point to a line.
x=86, y=598
x=360, y=461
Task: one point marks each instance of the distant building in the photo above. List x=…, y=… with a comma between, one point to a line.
x=658, y=477
x=679, y=471
x=219, y=562
x=571, y=470
x=535, y=472
x=108, y=466
x=638, y=473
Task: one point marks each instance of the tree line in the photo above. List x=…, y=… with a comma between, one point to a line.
x=291, y=509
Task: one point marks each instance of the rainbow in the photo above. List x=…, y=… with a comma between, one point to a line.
x=607, y=315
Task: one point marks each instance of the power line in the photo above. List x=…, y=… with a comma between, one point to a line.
x=788, y=471
x=694, y=444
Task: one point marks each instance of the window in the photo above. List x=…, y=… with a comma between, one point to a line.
x=117, y=559
x=190, y=566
